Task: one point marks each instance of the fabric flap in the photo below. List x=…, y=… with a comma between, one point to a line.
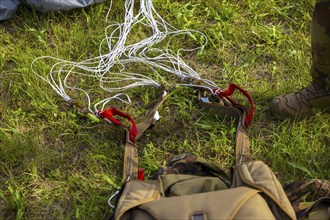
x=258, y=175
x=136, y=193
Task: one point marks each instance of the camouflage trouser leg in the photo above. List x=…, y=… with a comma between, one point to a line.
x=320, y=34
x=304, y=194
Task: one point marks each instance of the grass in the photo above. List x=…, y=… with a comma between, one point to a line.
x=57, y=164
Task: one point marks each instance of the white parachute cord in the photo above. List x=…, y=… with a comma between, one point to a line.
x=110, y=6
x=122, y=77
x=117, y=53
x=54, y=86
x=104, y=102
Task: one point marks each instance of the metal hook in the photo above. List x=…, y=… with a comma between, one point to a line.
x=111, y=198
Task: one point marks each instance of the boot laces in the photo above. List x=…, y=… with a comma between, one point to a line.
x=310, y=92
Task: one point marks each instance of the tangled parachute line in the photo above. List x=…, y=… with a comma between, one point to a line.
x=109, y=69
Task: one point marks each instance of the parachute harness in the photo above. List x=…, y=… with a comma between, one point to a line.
x=110, y=71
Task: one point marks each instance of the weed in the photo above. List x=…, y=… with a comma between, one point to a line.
x=57, y=164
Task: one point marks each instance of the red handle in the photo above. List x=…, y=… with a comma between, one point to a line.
x=110, y=112
x=229, y=91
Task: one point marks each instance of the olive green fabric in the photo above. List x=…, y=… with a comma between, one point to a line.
x=136, y=193
x=319, y=213
x=320, y=210
x=258, y=175
x=255, y=194
x=320, y=37
x=180, y=185
x=303, y=194
x=238, y=203
x=190, y=164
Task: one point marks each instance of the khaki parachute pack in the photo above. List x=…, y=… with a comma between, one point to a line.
x=191, y=188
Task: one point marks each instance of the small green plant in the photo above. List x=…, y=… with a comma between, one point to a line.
x=57, y=164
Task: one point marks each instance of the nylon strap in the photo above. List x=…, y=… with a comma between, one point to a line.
x=242, y=142
x=130, y=170
x=150, y=118
x=244, y=118
x=131, y=159
x=224, y=106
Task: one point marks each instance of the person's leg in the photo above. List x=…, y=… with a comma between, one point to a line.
x=320, y=36
x=317, y=93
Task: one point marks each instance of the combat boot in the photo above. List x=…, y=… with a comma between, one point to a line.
x=300, y=103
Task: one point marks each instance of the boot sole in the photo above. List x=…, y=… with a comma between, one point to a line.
x=302, y=116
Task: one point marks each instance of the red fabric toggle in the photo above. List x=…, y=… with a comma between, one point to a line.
x=141, y=174
x=110, y=112
x=229, y=91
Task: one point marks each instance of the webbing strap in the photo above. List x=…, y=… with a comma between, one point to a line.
x=224, y=106
x=131, y=159
x=244, y=118
x=131, y=170
x=242, y=142
x=150, y=119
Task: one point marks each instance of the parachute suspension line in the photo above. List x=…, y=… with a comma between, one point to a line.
x=110, y=69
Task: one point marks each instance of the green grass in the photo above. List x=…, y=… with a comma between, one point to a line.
x=57, y=164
